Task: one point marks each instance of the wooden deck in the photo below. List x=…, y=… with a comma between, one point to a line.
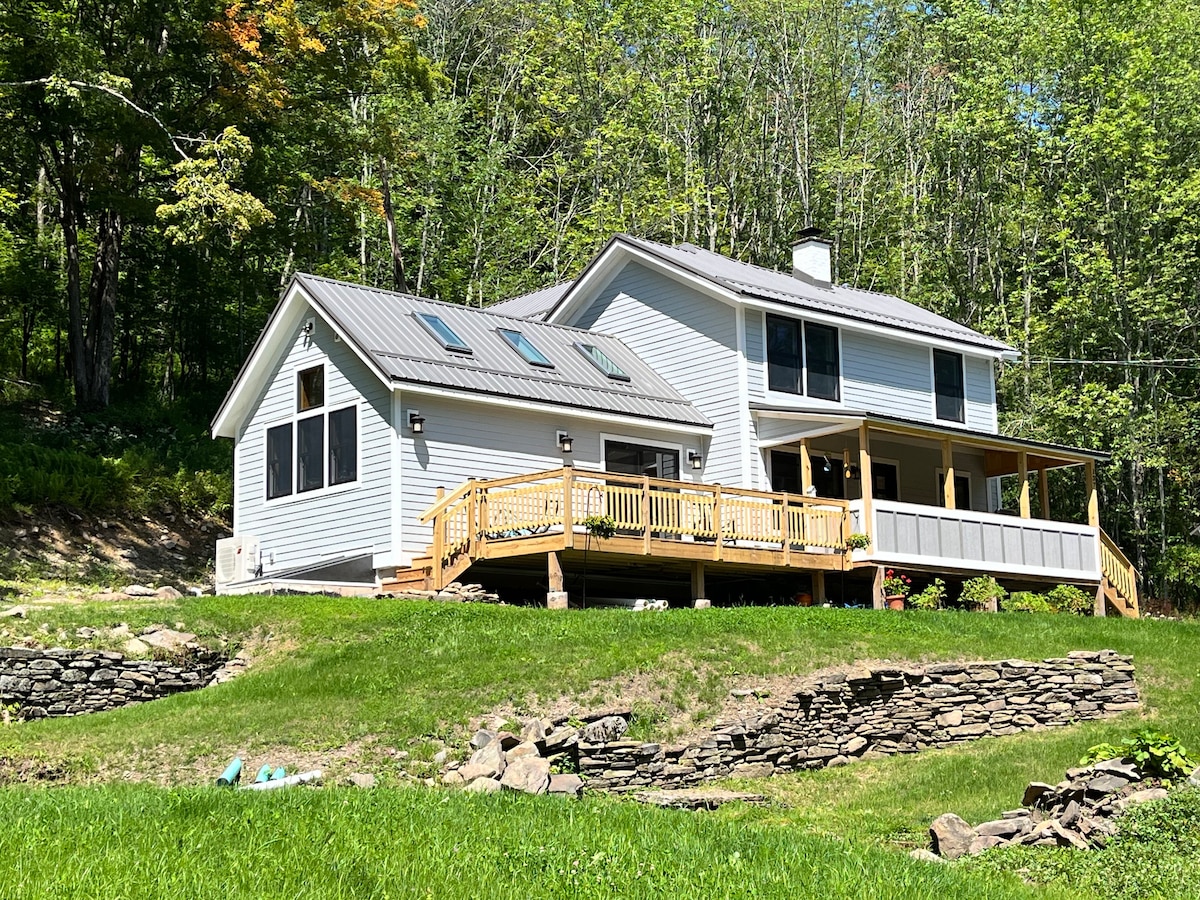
x=545, y=513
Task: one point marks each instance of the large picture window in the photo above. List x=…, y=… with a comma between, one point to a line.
x=318, y=448
x=803, y=358
x=310, y=454
x=948, y=385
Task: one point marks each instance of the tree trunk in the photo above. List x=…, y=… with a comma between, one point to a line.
x=399, y=282
x=102, y=307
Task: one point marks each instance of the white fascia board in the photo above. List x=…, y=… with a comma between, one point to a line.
x=609, y=263
x=590, y=415
x=282, y=324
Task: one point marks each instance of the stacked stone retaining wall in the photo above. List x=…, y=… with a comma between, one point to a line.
x=881, y=710
x=59, y=682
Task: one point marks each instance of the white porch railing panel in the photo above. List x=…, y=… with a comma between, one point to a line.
x=931, y=536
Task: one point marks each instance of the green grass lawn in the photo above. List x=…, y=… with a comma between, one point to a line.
x=378, y=674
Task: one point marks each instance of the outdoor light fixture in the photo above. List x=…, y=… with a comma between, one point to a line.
x=565, y=442
x=416, y=422
x=695, y=459
x=852, y=471
x=828, y=467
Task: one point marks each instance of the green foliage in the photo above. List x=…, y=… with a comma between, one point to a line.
x=979, y=592
x=1069, y=599
x=931, y=597
x=896, y=584
x=39, y=476
x=858, y=541
x=600, y=526
x=1026, y=601
x=1157, y=755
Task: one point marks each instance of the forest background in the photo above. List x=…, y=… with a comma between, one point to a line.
x=1028, y=168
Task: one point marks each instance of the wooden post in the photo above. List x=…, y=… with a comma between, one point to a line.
x=472, y=498
x=484, y=524
x=1023, y=474
x=1100, y=607
x=877, y=599
x=805, y=467
x=646, y=515
x=439, y=542
x=1089, y=487
x=1044, y=492
x=568, y=510
x=949, y=500
x=698, y=591
x=818, y=586
x=785, y=527
x=556, y=597
x=866, y=479
x=717, y=521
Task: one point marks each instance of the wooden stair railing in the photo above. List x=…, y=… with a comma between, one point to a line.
x=1120, y=578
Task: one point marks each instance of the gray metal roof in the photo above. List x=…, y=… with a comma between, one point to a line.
x=384, y=327
x=533, y=305
x=836, y=299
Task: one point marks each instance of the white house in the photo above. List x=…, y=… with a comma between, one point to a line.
x=738, y=424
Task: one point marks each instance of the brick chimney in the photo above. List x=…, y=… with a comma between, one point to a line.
x=811, y=256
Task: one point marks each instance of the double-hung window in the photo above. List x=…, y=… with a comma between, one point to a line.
x=948, y=386
x=790, y=345
x=318, y=448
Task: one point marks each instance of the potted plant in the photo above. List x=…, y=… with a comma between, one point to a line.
x=858, y=541
x=895, y=588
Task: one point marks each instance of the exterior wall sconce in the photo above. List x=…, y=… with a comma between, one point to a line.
x=565, y=442
x=416, y=422
x=695, y=459
x=852, y=471
x=828, y=467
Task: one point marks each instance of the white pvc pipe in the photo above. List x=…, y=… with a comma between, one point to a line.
x=290, y=781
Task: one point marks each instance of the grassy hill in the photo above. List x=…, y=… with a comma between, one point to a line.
x=358, y=684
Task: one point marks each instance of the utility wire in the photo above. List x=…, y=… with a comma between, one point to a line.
x=1179, y=363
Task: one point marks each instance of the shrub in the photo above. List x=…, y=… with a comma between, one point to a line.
x=933, y=596
x=979, y=592
x=1026, y=601
x=1157, y=755
x=1069, y=599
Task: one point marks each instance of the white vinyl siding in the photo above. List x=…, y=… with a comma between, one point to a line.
x=690, y=339
x=300, y=529
x=464, y=440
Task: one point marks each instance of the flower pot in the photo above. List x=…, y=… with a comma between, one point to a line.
x=896, y=601
x=804, y=599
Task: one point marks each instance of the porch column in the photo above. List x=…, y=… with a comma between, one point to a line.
x=1023, y=474
x=949, y=500
x=818, y=587
x=1093, y=499
x=556, y=597
x=866, y=479
x=699, y=600
x=805, y=467
x=877, y=598
x=1044, y=493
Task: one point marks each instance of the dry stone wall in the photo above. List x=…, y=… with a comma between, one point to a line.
x=866, y=712
x=59, y=682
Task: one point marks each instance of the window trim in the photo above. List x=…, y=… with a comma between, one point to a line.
x=785, y=396
x=933, y=383
x=619, y=375
x=461, y=347
x=940, y=473
x=506, y=335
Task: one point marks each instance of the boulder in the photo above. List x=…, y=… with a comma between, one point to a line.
x=13, y=612
x=483, y=786
x=529, y=775
x=490, y=760
x=952, y=836
x=984, y=842
x=533, y=732
x=570, y=785
x=562, y=738
x=1142, y=797
x=525, y=748
x=1122, y=767
x=1106, y=784
x=138, y=590
x=362, y=780
x=1005, y=828
x=609, y=728
x=1035, y=791
x=481, y=739
x=166, y=592
x=920, y=853
x=135, y=647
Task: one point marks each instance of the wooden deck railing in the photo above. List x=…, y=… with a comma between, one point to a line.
x=559, y=501
x=1119, y=571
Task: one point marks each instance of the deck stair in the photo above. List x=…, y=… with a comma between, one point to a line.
x=1119, y=587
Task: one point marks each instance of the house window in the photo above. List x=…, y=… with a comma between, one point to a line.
x=948, y=385
x=524, y=346
x=343, y=445
x=310, y=453
x=641, y=459
x=600, y=360
x=443, y=332
x=962, y=488
x=310, y=388
x=785, y=355
x=279, y=461
x=821, y=348
x=790, y=345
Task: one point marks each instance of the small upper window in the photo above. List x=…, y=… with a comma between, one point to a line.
x=310, y=388
x=525, y=347
x=948, y=385
x=443, y=332
x=600, y=360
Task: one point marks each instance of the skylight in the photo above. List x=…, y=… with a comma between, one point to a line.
x=442, y=332
x=600, y=360
x=524, y=346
